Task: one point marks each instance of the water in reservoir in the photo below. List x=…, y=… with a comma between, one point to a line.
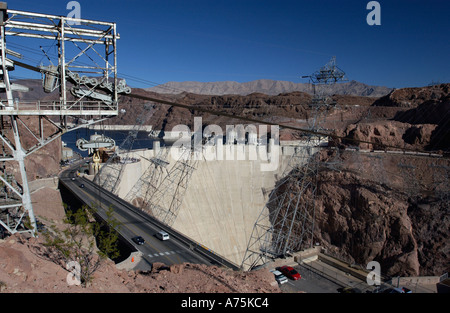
x=142, y=141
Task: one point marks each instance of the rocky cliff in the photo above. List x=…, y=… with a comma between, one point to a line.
x=44, y=162
x=374, y=209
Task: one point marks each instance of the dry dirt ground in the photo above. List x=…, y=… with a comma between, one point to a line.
x=23, y=269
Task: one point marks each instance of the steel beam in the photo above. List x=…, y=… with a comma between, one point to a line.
x=50, y=27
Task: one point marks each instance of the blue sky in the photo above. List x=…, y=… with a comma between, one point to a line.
x=245, y=40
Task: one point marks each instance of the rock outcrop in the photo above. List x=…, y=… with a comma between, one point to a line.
x=373, y=210
x=24, y=269
x=389, y=135
x=412, y=97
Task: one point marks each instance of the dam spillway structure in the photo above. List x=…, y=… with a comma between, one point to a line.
x=82, y=76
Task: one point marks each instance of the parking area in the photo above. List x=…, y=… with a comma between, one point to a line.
x=322, y=276
x=311, y=282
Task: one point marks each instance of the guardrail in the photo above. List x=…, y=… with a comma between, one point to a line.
x=126, y=241
x=60, y=108
x=396, y=152
x=190, y=243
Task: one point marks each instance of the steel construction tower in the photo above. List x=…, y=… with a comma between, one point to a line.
x=81, y=78
x=286, y=223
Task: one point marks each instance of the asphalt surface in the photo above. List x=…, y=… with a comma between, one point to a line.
x=172, y=251
x=311, y=282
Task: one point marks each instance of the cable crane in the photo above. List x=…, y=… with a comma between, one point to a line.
x=81, y=81
x=94, y=145
x=95, y=142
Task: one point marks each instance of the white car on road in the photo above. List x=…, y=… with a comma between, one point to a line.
x=279, y=277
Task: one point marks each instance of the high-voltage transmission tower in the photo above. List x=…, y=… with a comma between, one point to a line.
x=140, y=194
x=161, y=188
x=329, y=74
x=166, y=201
x=286, y=223
x=81, y=79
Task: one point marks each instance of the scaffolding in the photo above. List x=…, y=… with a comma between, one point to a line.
x=147, y=184
x=286, y=223
x=165, y=201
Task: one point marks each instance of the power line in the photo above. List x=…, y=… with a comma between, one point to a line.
x=253, y=120
x=197, y=108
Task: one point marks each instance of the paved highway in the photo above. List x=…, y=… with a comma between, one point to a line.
x=172, y=251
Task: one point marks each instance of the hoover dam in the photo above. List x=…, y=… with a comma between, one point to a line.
x=224, y=195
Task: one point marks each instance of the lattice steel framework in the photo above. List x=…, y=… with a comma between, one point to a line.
x=287, y=218
x=410, y=184
x=441, y=180
x=164, y=203
x=111, y=172
x=82, y=76
x=286, y=223
x=140, y=194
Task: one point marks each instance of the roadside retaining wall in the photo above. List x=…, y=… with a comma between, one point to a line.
x=37, y=184
x=420, y=280
x=130, y=262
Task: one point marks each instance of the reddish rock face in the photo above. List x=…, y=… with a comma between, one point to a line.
x=412, y=97
x=41, y=163
x=371, y=209
x=389, y=134
x=25, y=266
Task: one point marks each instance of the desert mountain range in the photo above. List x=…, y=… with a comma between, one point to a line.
x=268, y=87
x=263, y=86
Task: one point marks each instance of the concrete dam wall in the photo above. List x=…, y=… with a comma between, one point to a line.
x=223, y=199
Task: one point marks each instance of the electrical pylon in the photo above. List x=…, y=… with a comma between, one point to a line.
x=142, y=191
x=286, y=223
x=82, y=100
x=166, y=200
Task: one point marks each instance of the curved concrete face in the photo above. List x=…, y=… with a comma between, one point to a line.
x=224, y=198
x=222, y=204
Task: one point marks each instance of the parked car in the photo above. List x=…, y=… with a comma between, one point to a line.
x=139, y=240
x=279, y=277
x=289, y=272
